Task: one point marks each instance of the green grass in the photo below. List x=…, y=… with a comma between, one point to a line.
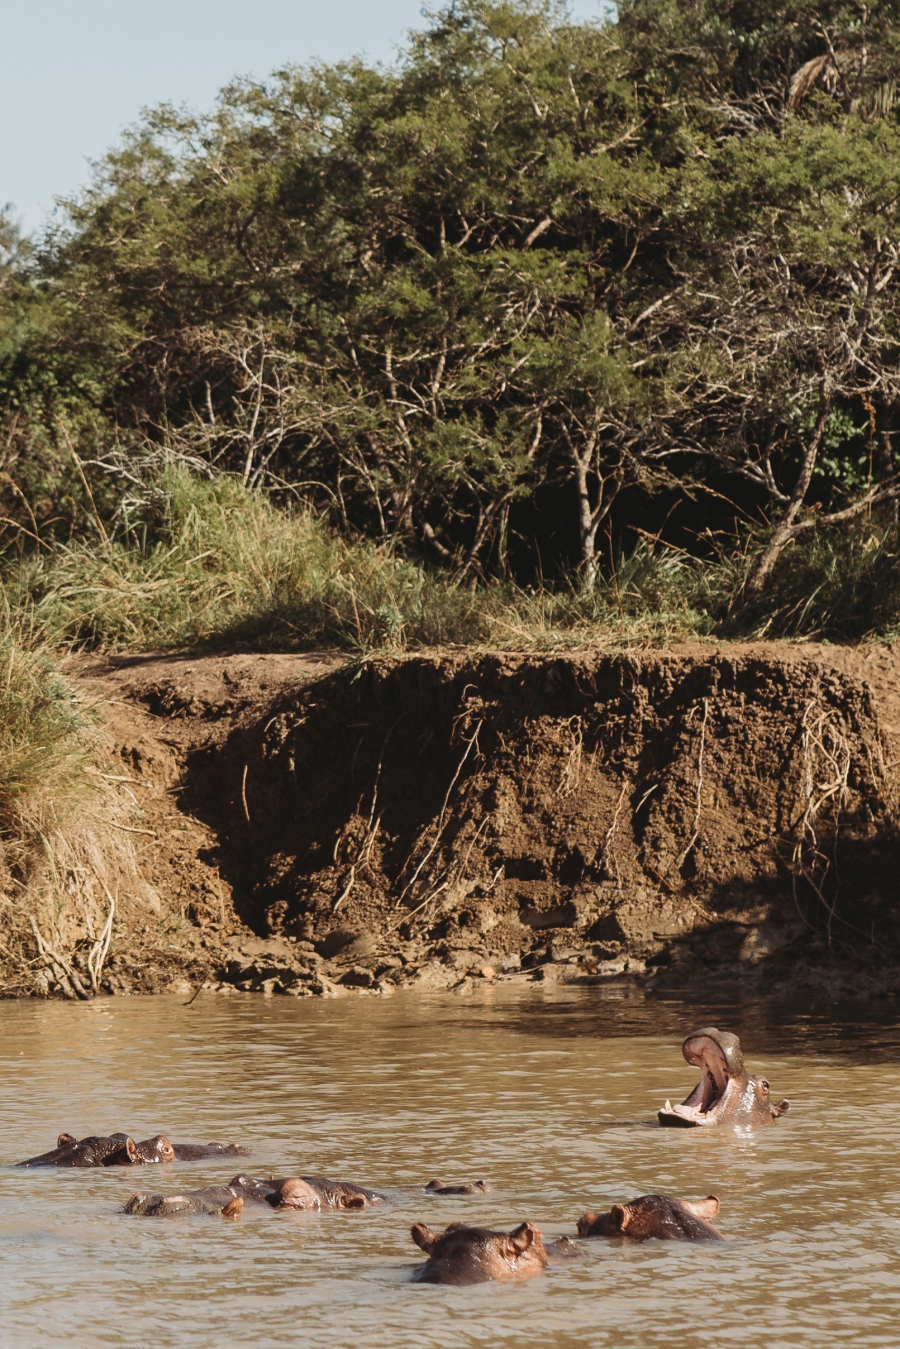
x=220, y=566
x=49, y=737
x=63, y=851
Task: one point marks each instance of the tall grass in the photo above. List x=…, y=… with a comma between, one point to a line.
x=48, y=739
x=65, y=860
x=220, y=565
x=214, y=564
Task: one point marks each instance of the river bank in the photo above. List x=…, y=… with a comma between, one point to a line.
x=707, y=813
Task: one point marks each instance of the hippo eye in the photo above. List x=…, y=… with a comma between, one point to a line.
x=764, y=1084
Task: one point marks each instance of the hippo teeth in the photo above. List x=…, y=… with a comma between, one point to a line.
x=668, y=1106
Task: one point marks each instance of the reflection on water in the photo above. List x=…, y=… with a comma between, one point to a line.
x=549, y=1096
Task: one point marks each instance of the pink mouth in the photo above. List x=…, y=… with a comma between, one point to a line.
x=709, y=1099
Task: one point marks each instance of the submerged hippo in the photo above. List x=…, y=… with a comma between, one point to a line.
x=122, y=1150
x=294, y=1192
x=226, y=1200
x=655, y=1215
x=461, y=1254
x=315, y=1192
x=98, y=1150
x=726, y=1093
x=194, y=1152
x=470, y=1187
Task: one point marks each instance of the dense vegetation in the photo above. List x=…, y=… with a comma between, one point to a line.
x=598, y=318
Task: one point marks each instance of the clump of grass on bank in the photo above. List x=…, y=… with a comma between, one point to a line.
x=223, y=565
x=64, y=857
x=47, y=740
x=219, y=565
x=838, y=586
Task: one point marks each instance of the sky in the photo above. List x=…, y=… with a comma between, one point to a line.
x=75, y=73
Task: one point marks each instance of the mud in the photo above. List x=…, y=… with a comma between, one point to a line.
x=703, y=814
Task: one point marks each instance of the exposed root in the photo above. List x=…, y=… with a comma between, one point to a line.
x=826, y=758
x=441, y=822
x=572, y=774
x=364, y=850
x=695, y=832
x=608, y=851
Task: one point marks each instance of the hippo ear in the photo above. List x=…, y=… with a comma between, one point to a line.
x=130, y=1150
x=424, y=1238
x=781, y=1108
x=66, y=1141
x=523, y=1237
x=620, y=1217
x=704, y=1208
x=586, y=1223
x=354, y=1201
x=233, y=1208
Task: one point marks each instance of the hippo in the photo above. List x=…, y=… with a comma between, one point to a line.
x=222, y=1199
x=470, y=1187
x=463, y=1255
x=314, y=1192
x=293, y=1192
x=726, y=1093
x=98, y=1151
x=194, y=1152
x=655, y=1215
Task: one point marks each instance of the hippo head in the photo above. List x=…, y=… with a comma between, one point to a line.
x=467, y=1187
x=294, y=1194
x=198, y=1201
x=114, y=1150
x=655, y=1215
x=726, y=1093
x=157, y=1149
x=462, y=1254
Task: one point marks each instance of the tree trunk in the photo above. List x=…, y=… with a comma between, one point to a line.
x=591, y=514
x=885, y=455
x=785, y=529
x=587, y=533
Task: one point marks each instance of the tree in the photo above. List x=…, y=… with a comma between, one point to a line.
x=583, y=260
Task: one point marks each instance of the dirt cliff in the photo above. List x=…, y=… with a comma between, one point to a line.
x=713, y=813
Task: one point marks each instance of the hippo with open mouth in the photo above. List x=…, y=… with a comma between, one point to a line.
x=726, y=1093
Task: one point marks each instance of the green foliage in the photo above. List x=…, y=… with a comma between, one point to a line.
x=577, y=262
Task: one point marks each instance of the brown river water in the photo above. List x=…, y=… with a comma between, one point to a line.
x=549, y=1095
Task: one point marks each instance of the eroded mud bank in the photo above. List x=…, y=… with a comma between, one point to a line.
x=696, y=814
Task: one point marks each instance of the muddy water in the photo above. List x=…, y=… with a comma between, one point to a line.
x=549, y=1097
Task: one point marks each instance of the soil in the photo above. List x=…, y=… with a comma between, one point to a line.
x=716, y=814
